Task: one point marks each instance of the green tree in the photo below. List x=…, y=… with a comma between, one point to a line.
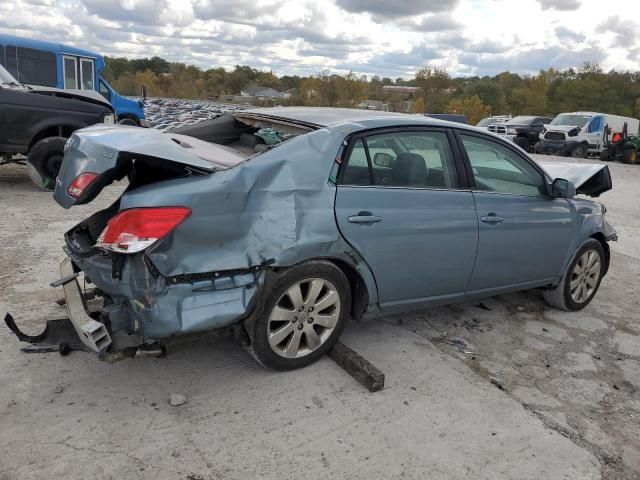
x=471, y=107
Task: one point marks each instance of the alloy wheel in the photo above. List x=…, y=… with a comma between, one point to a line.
x=585, y=276
x=303, y=318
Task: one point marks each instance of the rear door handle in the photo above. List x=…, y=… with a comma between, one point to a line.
x=492, y=218
x=364, y=217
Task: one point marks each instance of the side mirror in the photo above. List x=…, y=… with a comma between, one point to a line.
x=383, y=160
x=562, y=188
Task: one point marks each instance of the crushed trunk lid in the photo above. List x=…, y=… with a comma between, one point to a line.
x=112, y=151
x=590, y=179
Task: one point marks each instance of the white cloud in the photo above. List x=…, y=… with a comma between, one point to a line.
x=386, y=37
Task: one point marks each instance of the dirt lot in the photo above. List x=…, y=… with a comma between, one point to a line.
x=531, y=393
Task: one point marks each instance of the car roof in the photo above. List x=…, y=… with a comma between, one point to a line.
x=312, y=118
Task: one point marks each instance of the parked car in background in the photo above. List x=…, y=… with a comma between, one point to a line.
x=37, y=123
x=48, y=64
x=523, y=130
x=485, y=122
x=354, y=213
x=581, y=133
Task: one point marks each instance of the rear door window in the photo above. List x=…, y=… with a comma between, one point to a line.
x=418, y=159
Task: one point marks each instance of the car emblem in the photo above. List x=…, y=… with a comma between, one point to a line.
x=107, y=154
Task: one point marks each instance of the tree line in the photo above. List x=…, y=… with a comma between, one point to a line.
x=551, y=91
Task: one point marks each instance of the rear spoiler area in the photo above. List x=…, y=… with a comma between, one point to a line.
x=592, y=179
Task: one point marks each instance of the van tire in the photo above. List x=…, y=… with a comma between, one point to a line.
x=128, y=121
x=44, y=160
x=580, y=151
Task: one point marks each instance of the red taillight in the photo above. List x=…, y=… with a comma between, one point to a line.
x=133, y=230
x=81, y=183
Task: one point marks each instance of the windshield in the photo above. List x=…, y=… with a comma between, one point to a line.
x=522, y=120
x=571, y=120
x=6, y=77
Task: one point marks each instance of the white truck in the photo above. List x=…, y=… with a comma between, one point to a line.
x=582, y=133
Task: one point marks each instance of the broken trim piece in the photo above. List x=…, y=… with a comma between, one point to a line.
x=58, y=336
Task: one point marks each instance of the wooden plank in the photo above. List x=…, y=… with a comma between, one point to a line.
x=358, y=367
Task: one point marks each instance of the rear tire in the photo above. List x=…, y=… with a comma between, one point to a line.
x=304, y=314
x=44, y=161
x=523, y=143
x=580, y=151
x=630, y=156
x=581, y=280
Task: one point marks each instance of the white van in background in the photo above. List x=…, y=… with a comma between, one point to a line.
x=581, y=133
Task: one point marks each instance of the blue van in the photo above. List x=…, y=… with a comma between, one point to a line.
x=54, y=65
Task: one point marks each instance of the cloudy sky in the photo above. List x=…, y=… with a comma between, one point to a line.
x=386, y=37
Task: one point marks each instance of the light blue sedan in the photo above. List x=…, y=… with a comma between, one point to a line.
x=306, y=217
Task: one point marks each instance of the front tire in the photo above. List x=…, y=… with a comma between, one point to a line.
x=44, y=161
x=581, y=280
x=580, y=151
x=304, y=314
x=128, y=121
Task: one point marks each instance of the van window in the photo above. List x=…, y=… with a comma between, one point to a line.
x=86, y=74
x=596, y=124
x=70, y=73
x=37, y=67
x=104, y=91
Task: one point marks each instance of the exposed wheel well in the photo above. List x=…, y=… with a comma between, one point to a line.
x=359, y=292
x=607, y=252
x=55, y=131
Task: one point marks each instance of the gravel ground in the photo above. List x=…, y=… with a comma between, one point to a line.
x=542, y=393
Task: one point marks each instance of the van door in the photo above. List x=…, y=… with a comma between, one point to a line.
x=594, y=132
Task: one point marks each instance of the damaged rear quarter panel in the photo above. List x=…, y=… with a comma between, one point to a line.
x=275, y=209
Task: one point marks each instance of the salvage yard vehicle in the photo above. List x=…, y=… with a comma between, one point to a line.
x=486, y=122
x=579, y=134
x=523, y=130
x=620, y=146
x=47, y=64
x=356, y=214
x=36, y=123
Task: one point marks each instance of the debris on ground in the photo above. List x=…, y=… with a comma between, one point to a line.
x=177, y=399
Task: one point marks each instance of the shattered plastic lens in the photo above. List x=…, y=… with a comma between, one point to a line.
x=133, y=230
x=81, y=183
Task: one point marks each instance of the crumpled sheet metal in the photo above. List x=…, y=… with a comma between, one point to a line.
x=276, y=208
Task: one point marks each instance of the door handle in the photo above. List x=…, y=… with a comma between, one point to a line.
x=492, y=218
x=364, y=217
